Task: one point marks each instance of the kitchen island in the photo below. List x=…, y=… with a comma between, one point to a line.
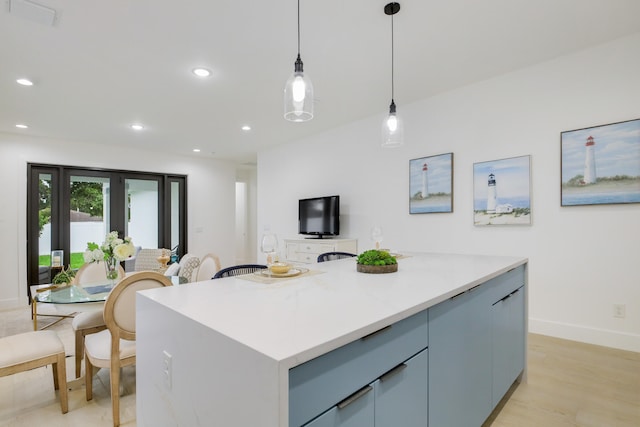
x=301, y=351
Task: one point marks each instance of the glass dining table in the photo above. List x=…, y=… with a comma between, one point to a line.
x=86, y=297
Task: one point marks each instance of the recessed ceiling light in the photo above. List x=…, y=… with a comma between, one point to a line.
x=246, y=128
x=24, y=82
x=201, y=72
x=137, y=126
x=196, y=150
x=22, y=126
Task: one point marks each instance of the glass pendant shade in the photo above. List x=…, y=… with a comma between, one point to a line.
x=298, y=96
x=392, y=129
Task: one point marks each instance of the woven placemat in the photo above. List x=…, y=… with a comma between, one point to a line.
x=259, y=278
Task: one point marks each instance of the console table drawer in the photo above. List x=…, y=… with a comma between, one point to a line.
x=324, y=381
x=315, y=248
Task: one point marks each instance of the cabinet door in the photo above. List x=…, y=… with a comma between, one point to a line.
x=356, y=410
x=460, y=381
x=401, y=394
x=508, y=342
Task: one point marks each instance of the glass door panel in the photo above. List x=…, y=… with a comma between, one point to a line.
x=141, y=218
x=44, y=226
x=89, y=214
x=175, y=218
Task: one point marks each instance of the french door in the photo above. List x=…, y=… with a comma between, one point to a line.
x=70, y=206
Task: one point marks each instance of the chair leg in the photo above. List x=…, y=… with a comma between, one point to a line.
x=114, y=373
x=88, y=377
x=60, y=369
x=79, y=352
x=54, y=369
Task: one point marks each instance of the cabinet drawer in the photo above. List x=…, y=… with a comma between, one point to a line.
x=305, y=257
x=324, y=381
x=498, y=287
x=315, y=248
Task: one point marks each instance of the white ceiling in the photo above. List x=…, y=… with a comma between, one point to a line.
x=105, y=64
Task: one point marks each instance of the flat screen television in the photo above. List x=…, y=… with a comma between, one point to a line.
x=319, y=216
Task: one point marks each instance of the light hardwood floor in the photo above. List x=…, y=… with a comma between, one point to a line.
x=569, y=384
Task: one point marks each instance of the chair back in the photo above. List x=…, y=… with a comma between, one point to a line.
x=120, y=307
x=147, y=260
x=237, y=270
x=332, y=256
x=209, y=265
x=94, y=272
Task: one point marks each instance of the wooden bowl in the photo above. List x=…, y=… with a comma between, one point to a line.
x=377, y=269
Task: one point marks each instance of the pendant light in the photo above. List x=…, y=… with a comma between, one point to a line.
x=392, y=128
x=298, y=92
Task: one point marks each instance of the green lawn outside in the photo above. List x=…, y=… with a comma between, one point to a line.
x=76, y=260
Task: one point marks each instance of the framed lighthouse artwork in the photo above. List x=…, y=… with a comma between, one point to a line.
x=431, y=184
x=601, y=164
x=502, y=192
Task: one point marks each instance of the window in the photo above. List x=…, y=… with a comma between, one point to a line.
x=69, y=206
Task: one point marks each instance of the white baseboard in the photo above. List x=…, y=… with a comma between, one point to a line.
x=604, y=337
x=12, y=304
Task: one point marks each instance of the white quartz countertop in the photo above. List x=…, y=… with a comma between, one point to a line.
x=297, y=319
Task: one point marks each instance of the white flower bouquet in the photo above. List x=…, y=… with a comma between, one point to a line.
x=112, y=251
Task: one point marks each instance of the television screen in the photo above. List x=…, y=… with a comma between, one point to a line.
x=319, y=216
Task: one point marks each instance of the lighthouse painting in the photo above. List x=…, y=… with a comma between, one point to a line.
x=431, y=184
x=601, y=164
x=502, y=191
x=492, y=196
x=590, y=162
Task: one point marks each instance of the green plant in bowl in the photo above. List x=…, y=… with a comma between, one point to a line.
x=376, y=261
x=376, y=257
x=64, y=277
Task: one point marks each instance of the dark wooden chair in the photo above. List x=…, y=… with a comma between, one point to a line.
x=237, y=270
x=332, y=256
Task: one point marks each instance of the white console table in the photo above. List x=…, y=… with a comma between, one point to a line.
x=307, y=250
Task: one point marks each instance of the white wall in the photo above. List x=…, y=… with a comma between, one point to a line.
x=582, y=259
x=246, y=179
x=210, y=198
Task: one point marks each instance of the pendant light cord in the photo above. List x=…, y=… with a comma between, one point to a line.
x=392, y=78
x=298, y=28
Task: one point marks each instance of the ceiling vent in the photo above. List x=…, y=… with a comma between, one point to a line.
x=32, y=12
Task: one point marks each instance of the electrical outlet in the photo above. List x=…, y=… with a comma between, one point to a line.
x=619, y=310
x=167, y=371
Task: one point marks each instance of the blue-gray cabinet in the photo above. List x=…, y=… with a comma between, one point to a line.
x=476, y=350
x=323, y=382
x=399, y=397
x=460, y=360
x=359, y=411
x=508, y=319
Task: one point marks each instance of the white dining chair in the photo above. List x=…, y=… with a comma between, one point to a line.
x=88, y=322
x=209, y=266
x=115, y=347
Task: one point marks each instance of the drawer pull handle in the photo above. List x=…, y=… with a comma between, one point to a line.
x=467, y=291
x=508, y=296
x=355, y=396
x=373, y=334
x=474, y=288
x=395, y=371
x=458, y=295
